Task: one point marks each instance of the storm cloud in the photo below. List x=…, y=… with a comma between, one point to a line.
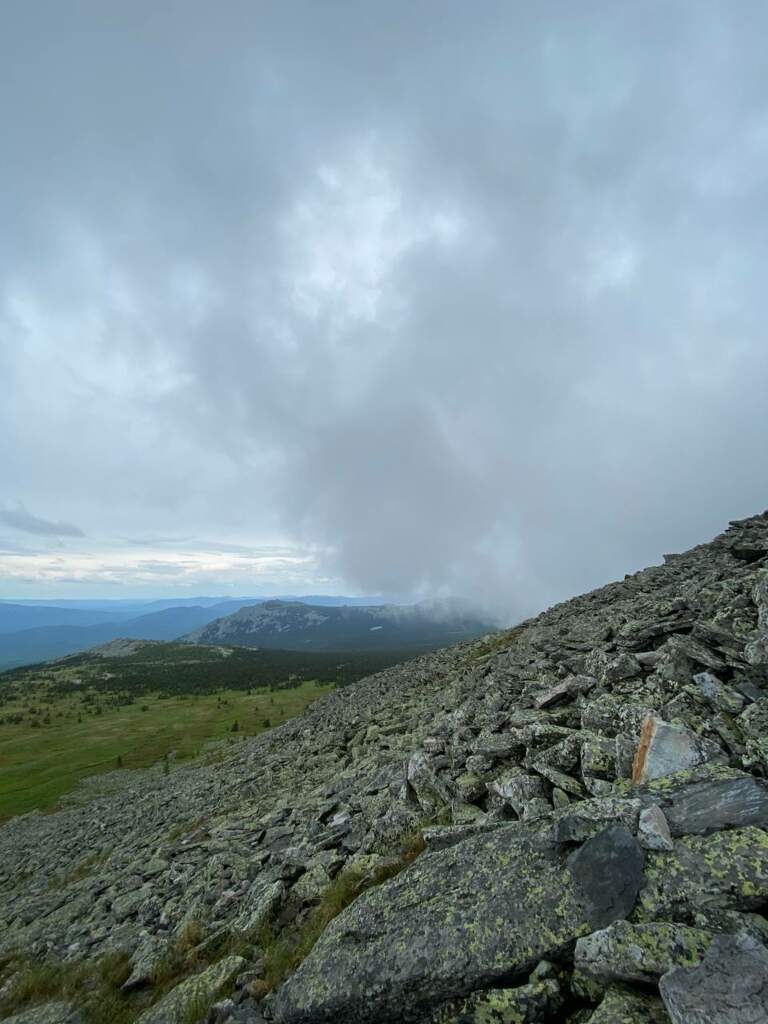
x=412, y=298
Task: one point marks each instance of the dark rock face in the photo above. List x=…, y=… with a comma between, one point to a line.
x=730, y=986
x=607, y=873
x=459, y=920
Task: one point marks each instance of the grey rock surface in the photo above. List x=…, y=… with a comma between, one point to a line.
x=460, y=920
x=730, y=986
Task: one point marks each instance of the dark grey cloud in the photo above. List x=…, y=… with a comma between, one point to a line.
x=440, y=301
x=20, y=519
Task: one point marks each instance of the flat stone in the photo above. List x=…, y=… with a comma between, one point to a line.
x=639, y=953
x=730, y=985
x=665, y=749
x=459, y=920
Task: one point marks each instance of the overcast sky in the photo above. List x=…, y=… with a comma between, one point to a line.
x=401, y=298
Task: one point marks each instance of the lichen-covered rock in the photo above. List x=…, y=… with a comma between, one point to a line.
x=626, y=1006
x=584, y=819
x=539, y=1000
x=195, y=995
x=258, y=906
x=729, y=986
x=727, y=870
x=460, y=920
x=639, y=952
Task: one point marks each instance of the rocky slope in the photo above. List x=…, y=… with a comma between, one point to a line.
x=590, y=788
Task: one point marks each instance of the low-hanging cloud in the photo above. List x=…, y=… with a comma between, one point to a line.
x=445, y=302
x=20, y=519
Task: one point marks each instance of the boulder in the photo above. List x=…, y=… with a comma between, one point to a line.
x=715, y=804
x=719, y=696
x=639, y=953
x=664, y=749
x=726, y=871
x=729, y=986
x=459, y=920
x=584, y=819
x=259, y=906
x=517, y=789
x=565, y=691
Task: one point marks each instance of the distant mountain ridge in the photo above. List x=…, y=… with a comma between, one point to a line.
x=55, y=631
x=300, y=626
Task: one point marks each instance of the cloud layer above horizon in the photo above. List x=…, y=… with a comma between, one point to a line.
x=402, y=299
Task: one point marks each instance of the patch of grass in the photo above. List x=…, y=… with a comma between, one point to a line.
x=94, y=986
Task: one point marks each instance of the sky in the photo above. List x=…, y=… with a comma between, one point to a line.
x=415, y=298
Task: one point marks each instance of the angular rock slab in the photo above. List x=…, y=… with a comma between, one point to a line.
x=716, y=804
x=730, y=985
x=466, y=918
x=665, y=749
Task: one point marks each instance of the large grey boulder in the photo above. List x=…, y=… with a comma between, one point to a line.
x=730, y=985
x=458, y=920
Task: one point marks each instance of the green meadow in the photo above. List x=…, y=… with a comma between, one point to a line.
x=45, y=752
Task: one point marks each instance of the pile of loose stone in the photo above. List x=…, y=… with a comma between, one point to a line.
x=590, y=786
